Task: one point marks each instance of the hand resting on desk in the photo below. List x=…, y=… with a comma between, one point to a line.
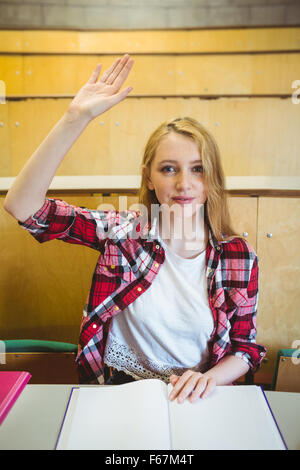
x=191, y=384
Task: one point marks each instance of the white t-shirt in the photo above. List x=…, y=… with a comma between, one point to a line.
x=166, y=329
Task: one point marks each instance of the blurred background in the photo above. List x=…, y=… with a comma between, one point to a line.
x=143, y=14
x=234, y=65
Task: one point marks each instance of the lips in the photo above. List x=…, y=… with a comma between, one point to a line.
x=183, y=200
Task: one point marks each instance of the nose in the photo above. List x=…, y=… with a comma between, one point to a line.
x=183, y=182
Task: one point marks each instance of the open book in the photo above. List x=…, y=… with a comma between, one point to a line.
x=139, y=415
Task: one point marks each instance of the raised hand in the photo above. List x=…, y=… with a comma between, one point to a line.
x=96, y=97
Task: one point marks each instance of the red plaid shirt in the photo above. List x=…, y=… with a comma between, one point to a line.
x=128, y=265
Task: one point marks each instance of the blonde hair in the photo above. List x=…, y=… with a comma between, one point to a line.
x=216, y=211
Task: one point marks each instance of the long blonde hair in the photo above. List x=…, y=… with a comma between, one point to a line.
x=216, y=210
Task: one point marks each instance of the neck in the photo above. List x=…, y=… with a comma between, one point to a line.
x=190, y=233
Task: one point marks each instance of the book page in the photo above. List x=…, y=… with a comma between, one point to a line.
x=62, y=438
x=231, y=418
x=131, y=416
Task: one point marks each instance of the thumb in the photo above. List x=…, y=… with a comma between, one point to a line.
x=94, y=77
x=121, y=95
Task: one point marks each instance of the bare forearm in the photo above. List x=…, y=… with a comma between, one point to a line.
x=228, y=369
x=27, y=193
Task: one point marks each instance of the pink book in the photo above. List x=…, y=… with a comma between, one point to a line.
x=11, y=386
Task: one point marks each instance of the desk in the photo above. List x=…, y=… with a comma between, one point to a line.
x=35, y=419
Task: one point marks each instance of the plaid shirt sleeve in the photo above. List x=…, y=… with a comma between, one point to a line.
x=57, y=219
x=243, y=323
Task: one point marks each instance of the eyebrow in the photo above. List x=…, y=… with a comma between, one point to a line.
x=175, y=161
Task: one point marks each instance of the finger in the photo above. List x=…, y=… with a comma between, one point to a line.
x=114, y=99
x=180, y=384
x=123, y=74
x=173, y=379
x=211, y=384
x=199, y=389
x=94, y=77
x=110, y=70
x=114, y=74
x=188, y=388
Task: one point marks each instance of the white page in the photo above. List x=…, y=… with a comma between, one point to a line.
x=63, y=437
x=131, y=416
x=231, y=418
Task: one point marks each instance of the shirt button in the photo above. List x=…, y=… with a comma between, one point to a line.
x=209, y=270
x=116, y=308
x=157, y=246
x=105, y=269
x=156, y=265
x=139, y=289
x=218, y=248
x=94, y=325
x=112, y=266
x=261, y=354
x=85, y=314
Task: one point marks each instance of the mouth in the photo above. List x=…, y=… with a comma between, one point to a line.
x=183, y=200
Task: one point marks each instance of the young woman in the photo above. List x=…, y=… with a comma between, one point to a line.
x=173, y=295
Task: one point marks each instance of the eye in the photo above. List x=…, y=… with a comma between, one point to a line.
x=196, y=169
x=166, y=168
x=199, y=168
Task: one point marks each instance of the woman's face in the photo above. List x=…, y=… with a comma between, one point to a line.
x=177, y=172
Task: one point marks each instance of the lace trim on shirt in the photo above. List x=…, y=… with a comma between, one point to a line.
x=125, y=359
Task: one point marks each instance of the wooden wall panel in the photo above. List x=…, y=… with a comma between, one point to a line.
x=244, y=40
x=29, y=123
x=237, y=74
x=155, y=41
x=249, y=133
x=49, y=41
x=5, y=160
x=36, y=118
x=11, y=41
x=65, y=75
x=243, y=211
x=12, y=73
x=58, y=74
x=279, y=321
x=288, y=378
x=45, y=368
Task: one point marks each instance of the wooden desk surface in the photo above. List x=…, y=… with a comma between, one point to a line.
x=34, y=421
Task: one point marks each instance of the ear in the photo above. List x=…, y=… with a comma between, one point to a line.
x=147, y=177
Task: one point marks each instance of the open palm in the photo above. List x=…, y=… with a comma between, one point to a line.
x=96, y=97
